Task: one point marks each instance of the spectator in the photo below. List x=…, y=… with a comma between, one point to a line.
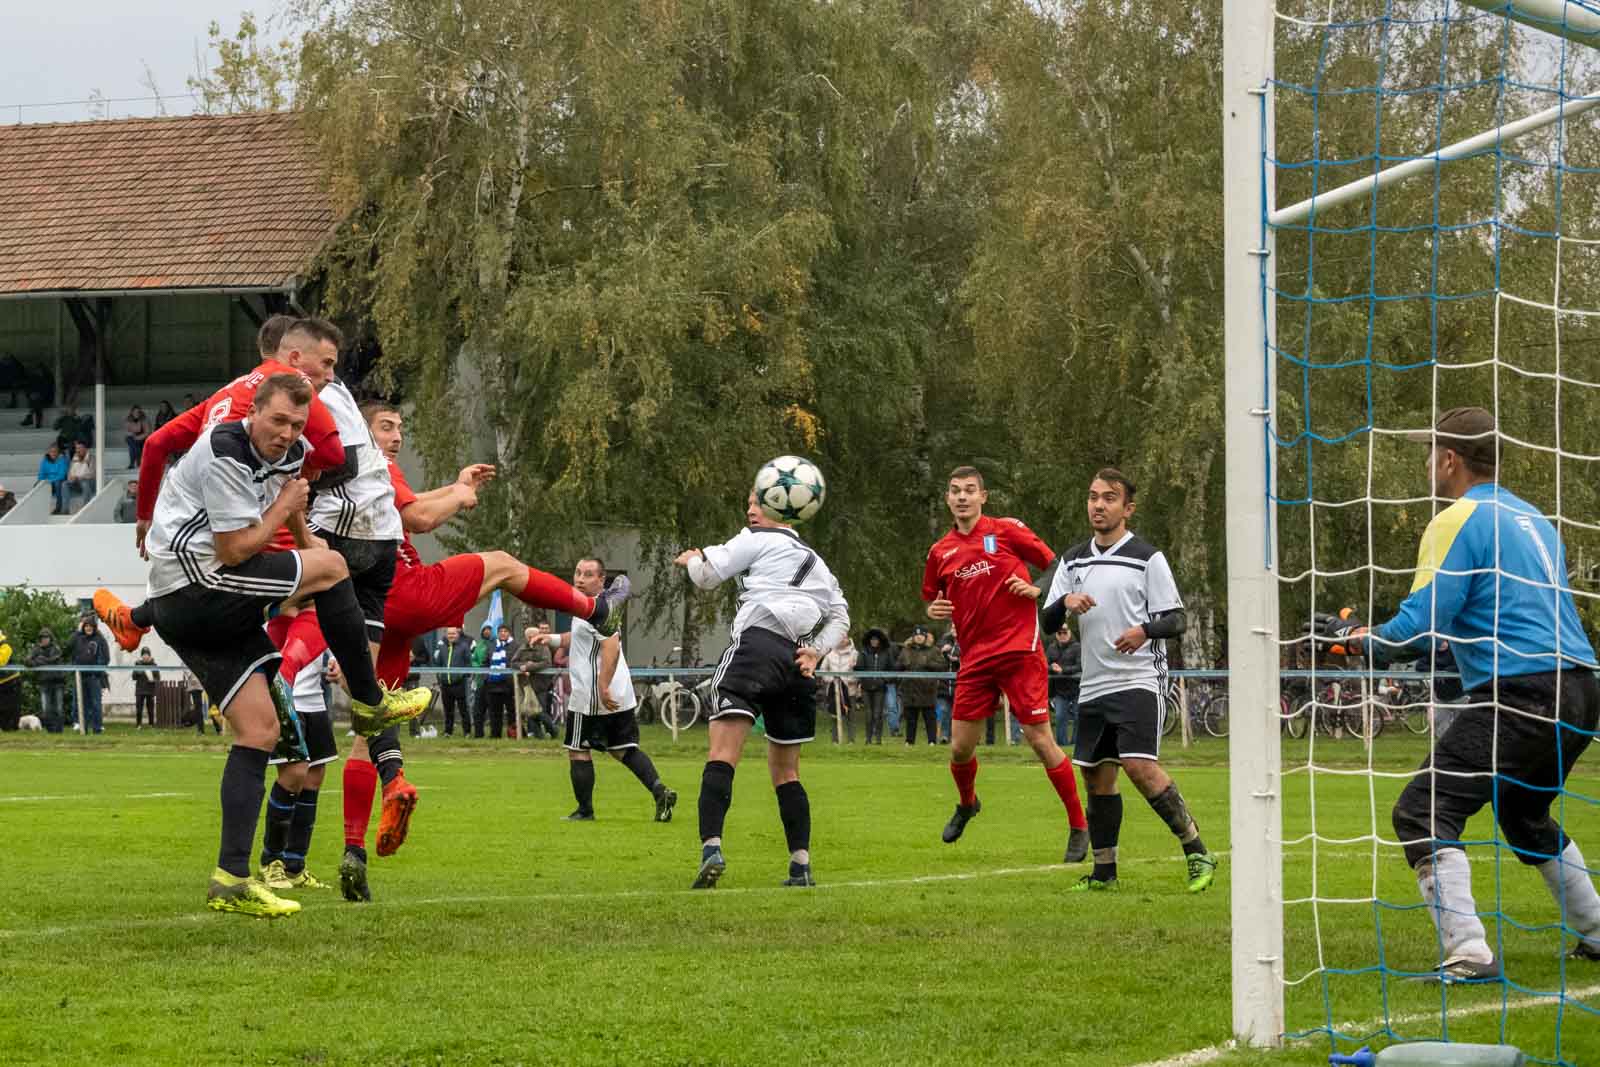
x=144, y=689
x=80, y=473
x=421, y=656
x=8, y=500
x=835, y=692
x=53, y=469
x=164, y=414
x=88, y=648
x=947, y=688
x=10, y=688
x=197, y=703
x=66, y=427
x=189, y=401
x=13, y=377
x=49, y=683
x=920, y=655
x=877, y=654
x=1065, y=658
x=128, y=505
x=533, y=690
x=481, y=650
x=135, y=428
x=452, y=654
x=497, y=693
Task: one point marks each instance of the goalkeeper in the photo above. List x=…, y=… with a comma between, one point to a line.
x=1490, y=580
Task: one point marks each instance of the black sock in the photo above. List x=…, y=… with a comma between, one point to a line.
x=794, y=808
x=581, y=772
x=1105, y=825
x=142, y=616
x=639, y=763
x=384, y=751
x=243, y=785
x=300, y=827
x=1175, y=813
x=280, y=810
x=339, y=618
x=716, y=797
x=357, y=851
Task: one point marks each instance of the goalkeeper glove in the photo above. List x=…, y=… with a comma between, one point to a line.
x=1340, y=635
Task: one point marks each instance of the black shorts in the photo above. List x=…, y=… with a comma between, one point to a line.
x=1118, y=726
x=757, y=676
x=217, y=628
x=1505, y=749
x=317, y=726
x=601, y=733
x=371, y=565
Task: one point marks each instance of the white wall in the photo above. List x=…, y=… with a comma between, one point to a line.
x=76, y=560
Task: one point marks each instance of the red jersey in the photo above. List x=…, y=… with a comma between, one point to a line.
x=407, y=552
x=971, y=570
x=324, y=450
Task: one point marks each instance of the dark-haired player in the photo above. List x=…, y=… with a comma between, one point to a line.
x=211, y=585
x=600, y=712
x=1127, y=603
x=977, y=576
x=790, y=608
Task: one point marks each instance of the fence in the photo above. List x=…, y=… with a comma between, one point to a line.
x=1357, y=702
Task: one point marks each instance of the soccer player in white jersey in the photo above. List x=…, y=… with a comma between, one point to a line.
x=600, y=712
x=791, y=608
x=211, y=584
x=1123, y=593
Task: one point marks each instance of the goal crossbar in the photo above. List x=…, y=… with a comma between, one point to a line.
x=1472, y=146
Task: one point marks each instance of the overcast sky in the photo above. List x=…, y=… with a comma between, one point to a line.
x=65, y=49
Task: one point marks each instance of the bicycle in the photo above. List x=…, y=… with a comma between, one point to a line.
x=1207, y=710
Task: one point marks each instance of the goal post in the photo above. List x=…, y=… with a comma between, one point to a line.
x=1254, y=793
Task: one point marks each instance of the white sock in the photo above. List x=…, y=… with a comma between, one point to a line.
x=802, y=856
x=1569, y=883
x=1445, y=881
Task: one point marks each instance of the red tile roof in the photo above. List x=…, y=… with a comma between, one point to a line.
x=169, y=203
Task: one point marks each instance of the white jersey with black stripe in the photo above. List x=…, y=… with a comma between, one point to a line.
x=1131, y=583
x=785, y=585
x=583, y=667
x=220, y=485
x=363, y=507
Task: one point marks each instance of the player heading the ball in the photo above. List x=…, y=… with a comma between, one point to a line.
x=790, y=609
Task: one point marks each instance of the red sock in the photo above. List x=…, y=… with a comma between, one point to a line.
x=360, y=786
x=303, y=644
x=1066, y=784
x=547, y=591
x=965, y=774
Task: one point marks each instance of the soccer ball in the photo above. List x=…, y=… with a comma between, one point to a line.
x=790, y=489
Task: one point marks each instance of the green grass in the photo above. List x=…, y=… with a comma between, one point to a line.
x=502, y=935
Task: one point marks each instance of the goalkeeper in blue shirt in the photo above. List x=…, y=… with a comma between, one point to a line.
x=1491, y=582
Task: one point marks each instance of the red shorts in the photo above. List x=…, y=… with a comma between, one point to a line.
x=1021, y=676
x=424, y=599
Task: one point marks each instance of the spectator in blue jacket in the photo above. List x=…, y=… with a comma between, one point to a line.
x=53, y=469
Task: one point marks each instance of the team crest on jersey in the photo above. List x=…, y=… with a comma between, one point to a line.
x=990, y=543
x=219, y=411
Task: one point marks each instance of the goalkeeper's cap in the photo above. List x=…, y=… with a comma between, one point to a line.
x=1468, y=432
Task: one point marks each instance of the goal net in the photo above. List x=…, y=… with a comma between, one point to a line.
x=1413, y=221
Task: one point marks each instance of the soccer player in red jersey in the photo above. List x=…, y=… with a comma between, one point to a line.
x=229, y=404
x=424, y=598
x=977, y=577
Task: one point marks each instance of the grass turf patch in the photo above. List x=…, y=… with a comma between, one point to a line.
x=503, y=935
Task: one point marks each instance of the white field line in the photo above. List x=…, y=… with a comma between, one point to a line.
x=625, y=894
x=1211, y=1053
x=89, y=796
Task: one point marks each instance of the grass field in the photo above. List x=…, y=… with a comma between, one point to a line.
x=503, y=935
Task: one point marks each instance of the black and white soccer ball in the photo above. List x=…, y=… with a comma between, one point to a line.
x=790, y=489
